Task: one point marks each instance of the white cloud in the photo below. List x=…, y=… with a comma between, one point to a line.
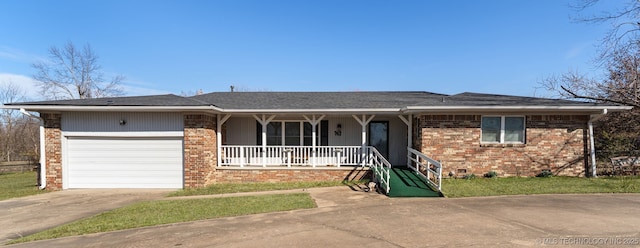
x=577, y=50
x=137, y=90
x=25, y=83
x=18, y=55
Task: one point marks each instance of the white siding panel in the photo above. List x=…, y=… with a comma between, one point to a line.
x=351, y=131
x=240, y=131
x=397, y=141
x=110, y=122
x=108, y=162
x=352, y=135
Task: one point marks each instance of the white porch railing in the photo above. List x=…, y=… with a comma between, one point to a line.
x=272, y=156
x=428, y=168
x=381, y=169
x=247, y=155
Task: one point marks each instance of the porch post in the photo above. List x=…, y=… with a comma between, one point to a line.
x=220, y=121
x=264, y=121
x=314, y=122
x=363, y=122
x=409, y=122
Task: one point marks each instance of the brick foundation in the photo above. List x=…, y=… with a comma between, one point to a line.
x=200, y=157
x=243, y=175
x=53, y=150
x=553, y=142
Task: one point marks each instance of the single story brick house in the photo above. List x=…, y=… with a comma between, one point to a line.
x=169, y=141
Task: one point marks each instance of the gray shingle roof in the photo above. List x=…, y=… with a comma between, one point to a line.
x=155, y=100
x=479, y=99
x=320, y=100
x=314, y=100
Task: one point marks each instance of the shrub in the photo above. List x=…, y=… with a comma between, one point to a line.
x=545, y=173
x=469, y=176
x=491, y=174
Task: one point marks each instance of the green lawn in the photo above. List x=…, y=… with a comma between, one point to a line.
x=18, y=184
x=538, y=185
x=224, y=188
x=172, y=211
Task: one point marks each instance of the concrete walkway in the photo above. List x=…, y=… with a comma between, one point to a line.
x=27, y=215
x=346, y=218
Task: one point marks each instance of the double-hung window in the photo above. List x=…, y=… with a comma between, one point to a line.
x=293, y=133
x=503, y=129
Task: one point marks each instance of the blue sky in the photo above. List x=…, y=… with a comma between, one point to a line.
x=492, y=46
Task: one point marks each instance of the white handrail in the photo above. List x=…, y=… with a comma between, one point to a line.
x=426, y=167
x=381, y=169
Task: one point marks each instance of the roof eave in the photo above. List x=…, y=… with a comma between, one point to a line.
x=74, y=108
x=407, y=110
x=316, y=111
x=508, y=109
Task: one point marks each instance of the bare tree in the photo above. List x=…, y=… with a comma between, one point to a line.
x=18, y=133
x=619, y=55
x=191, y=93
x=9, y=93
x=72, y=73
x=620, y=86
x=624, y=23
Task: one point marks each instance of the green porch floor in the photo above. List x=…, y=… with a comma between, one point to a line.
x=405, y=183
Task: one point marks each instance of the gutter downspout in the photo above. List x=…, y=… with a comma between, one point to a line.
x=43, y=166
x=592, y=148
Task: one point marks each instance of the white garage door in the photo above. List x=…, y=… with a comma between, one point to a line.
x=107, y=162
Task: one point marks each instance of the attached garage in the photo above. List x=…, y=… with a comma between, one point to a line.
x=118, y=162
x=122, y=150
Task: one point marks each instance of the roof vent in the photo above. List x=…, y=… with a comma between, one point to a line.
x=443, y=99
x=109, y=102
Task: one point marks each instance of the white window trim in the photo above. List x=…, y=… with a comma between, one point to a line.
x=502, y=129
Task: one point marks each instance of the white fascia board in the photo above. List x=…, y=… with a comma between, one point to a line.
x=70, y=108
x=317, y=111
x=408, y=109
x=457, y=109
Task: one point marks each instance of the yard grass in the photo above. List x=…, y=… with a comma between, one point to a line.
x=225, y=188
x=538, y=185
x=153, y=213
x=18, y=184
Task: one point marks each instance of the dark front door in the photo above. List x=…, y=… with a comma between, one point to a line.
x=379, y=136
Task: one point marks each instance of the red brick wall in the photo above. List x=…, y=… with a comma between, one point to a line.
x=225, y=175
x=553, y=142
x=199, y=149
x=53, y=150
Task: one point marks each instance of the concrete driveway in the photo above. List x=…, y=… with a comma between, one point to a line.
x=348, y=218
x=27, y=215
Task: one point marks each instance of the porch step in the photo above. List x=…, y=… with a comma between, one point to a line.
x=405, y=183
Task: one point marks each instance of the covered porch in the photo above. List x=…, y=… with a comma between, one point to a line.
x=311, y=140
x=322, y=142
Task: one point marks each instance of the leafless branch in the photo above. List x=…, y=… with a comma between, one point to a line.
x=71, y=73
x=599, y=99
x=14, y=127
